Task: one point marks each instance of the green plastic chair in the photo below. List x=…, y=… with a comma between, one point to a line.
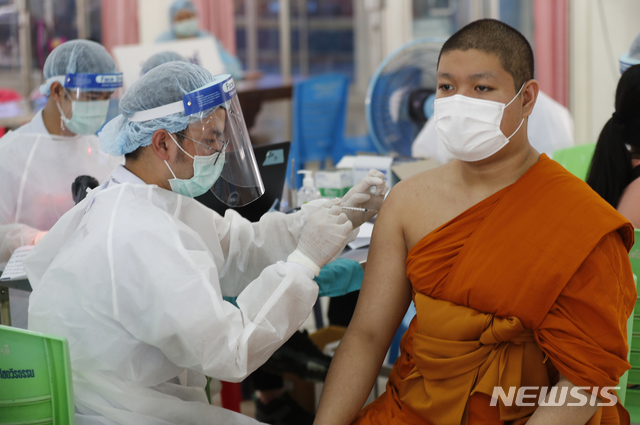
x=634, y=254
x=622, y=394
x=35, y=379
x=631, y=400
x=576, y=159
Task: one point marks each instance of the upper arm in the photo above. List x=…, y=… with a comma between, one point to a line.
x=584, y=332
x=167, y=294
x=386, y=290
x=249, y=248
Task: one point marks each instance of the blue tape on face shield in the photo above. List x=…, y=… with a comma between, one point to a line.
x=93, y=82
x=215, y=119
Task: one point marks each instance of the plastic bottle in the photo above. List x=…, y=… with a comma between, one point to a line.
x=307, y=192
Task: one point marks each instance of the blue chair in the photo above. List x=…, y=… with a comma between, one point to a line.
x=352, y=146
x=319, y=115
x=394, y=348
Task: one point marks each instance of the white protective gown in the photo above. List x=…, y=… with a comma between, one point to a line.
x=36, y=173
x=36, y=125
x=134, y=277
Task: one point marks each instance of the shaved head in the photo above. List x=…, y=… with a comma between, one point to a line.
x=499, y=39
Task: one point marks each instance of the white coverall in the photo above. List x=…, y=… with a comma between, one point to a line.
x=134, y=276
x=36, y=173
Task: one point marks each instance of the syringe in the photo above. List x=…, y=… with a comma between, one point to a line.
x=358, y=209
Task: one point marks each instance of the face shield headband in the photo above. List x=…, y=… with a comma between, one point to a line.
x=109, y=82
x=93, y=82
x=215, y=119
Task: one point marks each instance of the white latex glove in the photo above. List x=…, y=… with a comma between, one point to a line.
x=368, y=193
x=323, y=236
x=38, y=237
x=12, y=237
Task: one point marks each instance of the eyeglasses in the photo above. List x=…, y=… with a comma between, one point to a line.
x=224, y=147
x=210, y=148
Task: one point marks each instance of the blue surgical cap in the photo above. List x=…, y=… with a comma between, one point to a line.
x=179, y=5
x=632, y=57
x=634, y=51
x=160, y=58
x=76, y=56
x=164, y=84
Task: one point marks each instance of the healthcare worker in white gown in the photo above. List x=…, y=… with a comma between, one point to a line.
x=40, y=160
x=183, y=21
x=134, y=276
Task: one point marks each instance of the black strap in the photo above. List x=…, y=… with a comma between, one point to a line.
x=635, y=173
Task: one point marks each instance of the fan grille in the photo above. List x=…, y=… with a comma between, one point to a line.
x=412, y=67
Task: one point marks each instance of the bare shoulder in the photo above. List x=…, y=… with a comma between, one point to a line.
x=418, y=205
x=430, y=182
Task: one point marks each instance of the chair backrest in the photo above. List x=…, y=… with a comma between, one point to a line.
x=394, y=348
x=354, y=145
x=319, y=114
x=576, y=159
x=624, y=379
x=634, y=259
x=634, y=254
x=35, y=378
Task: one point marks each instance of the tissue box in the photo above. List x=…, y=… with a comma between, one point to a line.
x=334, y=184
x=362, y=165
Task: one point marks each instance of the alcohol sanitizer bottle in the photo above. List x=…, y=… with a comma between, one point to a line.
x=307, y=192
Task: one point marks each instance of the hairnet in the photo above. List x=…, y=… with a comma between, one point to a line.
x=76, y=56
x=164, y=84
x=159, y=59
x=179, y=5
x=634, y=51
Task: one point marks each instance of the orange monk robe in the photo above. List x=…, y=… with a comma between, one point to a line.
x=532, y=281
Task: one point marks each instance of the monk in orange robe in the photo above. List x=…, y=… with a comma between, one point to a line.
x=518, y=270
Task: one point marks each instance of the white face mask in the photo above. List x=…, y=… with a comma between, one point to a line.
x=206, y=170
x=186, y=28
x=470, y=128
x=87, y=116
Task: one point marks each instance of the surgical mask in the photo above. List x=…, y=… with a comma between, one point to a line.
x=206, y=171
x=186, y=28
x=87, y=116
x=470, y=128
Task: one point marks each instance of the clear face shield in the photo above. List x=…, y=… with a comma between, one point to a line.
x=224, y=160
x=240, y=182
x=89, y=95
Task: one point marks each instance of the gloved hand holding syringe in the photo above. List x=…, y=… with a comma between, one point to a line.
x=364, y=199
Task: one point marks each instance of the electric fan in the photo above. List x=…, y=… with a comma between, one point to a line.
x=400, y=96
